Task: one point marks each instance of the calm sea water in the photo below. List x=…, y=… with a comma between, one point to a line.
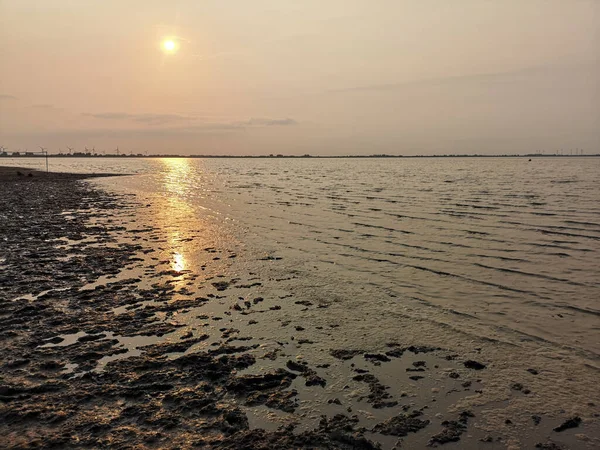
x=495, y=248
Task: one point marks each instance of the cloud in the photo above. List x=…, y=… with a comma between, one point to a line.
x=156, y=119
x=194, y=123
x=471, y=79
x=7, y=97
x=237, y=125
x=198, y=128
x=107, y=115
x=261, y=122
x=428, y=82
x=43, y=106
x=201, y=57
x=150, y=119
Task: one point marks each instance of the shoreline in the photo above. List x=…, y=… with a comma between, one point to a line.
x=23, y=174
x=376, y=156
x=108, y=344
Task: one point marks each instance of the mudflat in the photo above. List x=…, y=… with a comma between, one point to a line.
x=107, y=344
x=12, y=174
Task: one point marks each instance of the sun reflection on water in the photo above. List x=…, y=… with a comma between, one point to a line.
x=175, y=218
x=187, y=225
x=178, y=262
x=176, y=213
x=177, y=175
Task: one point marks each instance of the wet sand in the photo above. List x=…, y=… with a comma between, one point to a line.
x=22, y=174
x=107, y=344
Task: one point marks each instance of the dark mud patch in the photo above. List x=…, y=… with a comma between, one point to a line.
x=402, y=424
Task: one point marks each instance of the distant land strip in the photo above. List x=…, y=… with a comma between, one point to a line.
x=141, y=155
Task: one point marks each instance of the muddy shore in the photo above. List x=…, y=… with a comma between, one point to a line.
x=23, y=174
x=99, y=349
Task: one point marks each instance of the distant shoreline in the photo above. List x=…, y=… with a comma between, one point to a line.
x=23, y=174
x=83, y=155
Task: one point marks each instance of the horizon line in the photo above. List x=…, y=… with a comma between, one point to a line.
x=306, y=156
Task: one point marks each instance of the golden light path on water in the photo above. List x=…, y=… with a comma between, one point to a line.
x=178, y=263
x=177, y=173
x=177, y=209
x=188, y=226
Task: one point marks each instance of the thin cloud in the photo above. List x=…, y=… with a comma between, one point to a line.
x=238, y=125
x=43, y=106
x=179, y=39
x=195, y=123
x=489, y=77
x=113, y=116
x=424, y=82
x=150, y=119
x=201, y=57
x=7, y=97
x=157, y=119
x=261, y=122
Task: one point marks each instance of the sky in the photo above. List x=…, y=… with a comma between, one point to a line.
x=326, y=77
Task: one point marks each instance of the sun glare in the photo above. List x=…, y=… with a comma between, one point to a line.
x=169, y=46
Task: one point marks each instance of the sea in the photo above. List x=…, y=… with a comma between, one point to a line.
x=490, y=245
x=465, y=253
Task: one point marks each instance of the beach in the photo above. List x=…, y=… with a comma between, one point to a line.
x=136, y=323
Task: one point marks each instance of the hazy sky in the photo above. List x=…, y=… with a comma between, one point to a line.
x=293, y=77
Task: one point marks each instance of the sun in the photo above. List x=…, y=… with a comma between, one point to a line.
x=169, y=46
